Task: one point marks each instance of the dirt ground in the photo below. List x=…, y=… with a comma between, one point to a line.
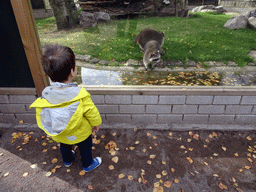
x=145, y=160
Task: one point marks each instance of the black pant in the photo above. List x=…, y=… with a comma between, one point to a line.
x=85, y=148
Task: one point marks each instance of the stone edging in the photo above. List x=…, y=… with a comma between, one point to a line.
x=83, y=61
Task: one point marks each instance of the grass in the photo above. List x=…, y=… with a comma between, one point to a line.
x=201, y=38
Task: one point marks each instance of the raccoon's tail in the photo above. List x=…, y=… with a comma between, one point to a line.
x=135, y=39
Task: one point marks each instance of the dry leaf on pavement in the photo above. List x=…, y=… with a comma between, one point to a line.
x=149, y=162
x=137, y=142
x=6, y=174
x=48, y=174
x=158, y=176
x=249, y=138
x=90, y=187
x=120, y=176
x=172, y=170
x=164, y=172
x=224, y=148
x=115, y=159
x=33, y=166
x=130, y=177
x=55, y=160
x=176, y=180
x=156, y=184
x=222, y=186
x=82, y=173
x=68, y=170
x=25, y=174
x=167, y=184
x=152, y=156
x=111, y=167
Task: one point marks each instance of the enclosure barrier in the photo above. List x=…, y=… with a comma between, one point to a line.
x=158, y=107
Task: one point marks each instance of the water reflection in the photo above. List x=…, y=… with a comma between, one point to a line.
x=195, y=78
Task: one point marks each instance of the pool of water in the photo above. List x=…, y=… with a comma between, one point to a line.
x=88, y=76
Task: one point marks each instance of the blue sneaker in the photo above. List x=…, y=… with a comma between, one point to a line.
x=73, y=159
x=96, y=162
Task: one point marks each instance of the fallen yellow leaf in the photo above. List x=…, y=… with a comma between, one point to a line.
x=48, y=174
x=249, y=138
x=156, y=184
x=163, y=162
x=167, y=184
x=189, y=140
x=57, y=166
x=247, y=167
x=114, y=134
x=172, y=170
x=215, y=175
x=120, y=176
x=148, y=134
x=170, y=133
x=137, y=142
x=154, y=137
x=55, y=160
x=44, y=144
x=111, y=167
x=214, y=134
x=130, y=177
x=152, y=156
x=115, y=159
x=196, y=137
x=44, y=150
x=33, y=166
x=149, y=162
x=68, y=170
x=158, y=176
x=222, y=186
x=176, y=180
x=44, y=163
x=224, y=148
x=236, y=154
x=90, y=187
x=164, y=172
x=82, y=173
x=53, y=170
x=6, y=174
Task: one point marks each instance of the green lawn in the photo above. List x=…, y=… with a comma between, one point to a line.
x=200, y=38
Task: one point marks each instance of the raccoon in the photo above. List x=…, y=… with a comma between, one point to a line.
x=150, y=42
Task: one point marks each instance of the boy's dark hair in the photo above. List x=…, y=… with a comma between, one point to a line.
x=57, y=62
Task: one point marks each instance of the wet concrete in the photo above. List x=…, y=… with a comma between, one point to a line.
x=148, y=160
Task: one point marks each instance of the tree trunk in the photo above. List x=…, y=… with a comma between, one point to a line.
x=73, y=18
x=65, y=13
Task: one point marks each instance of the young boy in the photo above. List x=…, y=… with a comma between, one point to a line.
x=65, y=111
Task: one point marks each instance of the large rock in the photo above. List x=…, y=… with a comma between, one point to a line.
x=92, y=19
x=101, y=17
x=251, y=13
x=252, y=22
x=87, y=19
x=237, y=22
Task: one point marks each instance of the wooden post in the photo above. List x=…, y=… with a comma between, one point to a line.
x=26, y=23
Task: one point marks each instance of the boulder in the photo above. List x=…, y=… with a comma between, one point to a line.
x=211, y=8
x=251, y=13
x=101, y=17
x=87, y=19
x=237, y=22
x=252, y=22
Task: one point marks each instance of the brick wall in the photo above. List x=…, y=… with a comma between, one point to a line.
x=14, y=105
x=153, y=105
x=162, y=109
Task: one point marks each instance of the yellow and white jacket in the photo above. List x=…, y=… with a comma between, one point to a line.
x=66, y=113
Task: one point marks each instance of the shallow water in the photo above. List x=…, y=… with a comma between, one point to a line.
x=104, y=77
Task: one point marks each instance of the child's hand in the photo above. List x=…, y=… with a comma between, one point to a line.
x=95, y=129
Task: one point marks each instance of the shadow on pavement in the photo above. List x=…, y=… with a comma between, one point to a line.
x=148, y=160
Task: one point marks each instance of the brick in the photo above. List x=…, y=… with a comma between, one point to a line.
x=172, y=99
x=161, y=119
x=107, y=108
x=211, y=109
x=144, y=99
x=32, y=110
x=4, y=99
x=8, y=118
x=222, y=119
x=12, y=108
x=158, y=108
x=183, y=109
x=22, y=98
x=238, y=109
x=118, y=99
x=226, y=100
x=195, y=119
x=144, y=119
x=27, y=118
x=248, y=100
x=245, y=119
x=133, y=109
x=98, y=99
x=103, y=118
x=254, y=110
x=194, y=99
x=114, y=118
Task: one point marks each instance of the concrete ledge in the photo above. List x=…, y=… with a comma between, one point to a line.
x=171, y=127
x=173, y=90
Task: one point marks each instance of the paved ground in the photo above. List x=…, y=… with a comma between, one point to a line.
x=146, y=160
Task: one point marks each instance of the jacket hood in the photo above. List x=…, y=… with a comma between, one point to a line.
x=43, y=102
